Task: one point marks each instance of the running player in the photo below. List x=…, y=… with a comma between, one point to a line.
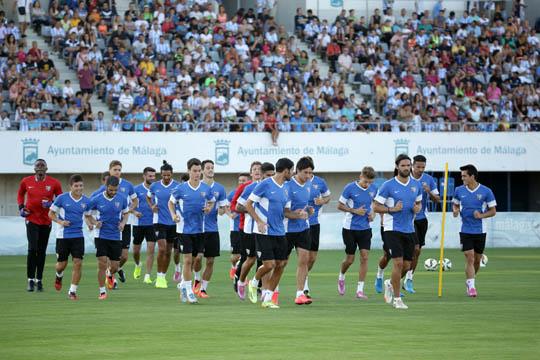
x=35, y=196
x=318, y=197
x=268, y=170
x=68, y=212
x=164, y=226
x=236, y=246
x=177, y=277
x=112, y=211
x=474, y=202
x=356, y=201
x=429, y=191
x=399, y=199
x=143, y=228
x=210, y=231
x=195, y=199
x=270, y=198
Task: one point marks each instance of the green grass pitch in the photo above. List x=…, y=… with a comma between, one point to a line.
x=141, y=322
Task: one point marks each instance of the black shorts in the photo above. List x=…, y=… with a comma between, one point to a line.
x=249, y=246
x=271, y=247
x=191, y=244
x=66, y=247
x=144, y=232
x=211, y=244
x=476, y=242
x=126, y=236
x=166, y=232
x=236, y=242
x=384, y=246
x=420, y=230
x=400, y=245
x=297, y=240
x=314, y=234
x=109, y=248
x=356, y=239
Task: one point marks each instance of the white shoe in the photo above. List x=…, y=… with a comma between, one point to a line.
x=388, y=292
x=398, y=304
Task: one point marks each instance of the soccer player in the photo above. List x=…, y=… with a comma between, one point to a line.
x=235, y=230
x=270, y=198
x=164, y=226
x=474, y=202
x=177, y=276
x=35, y=196
x=112, y=211
x=143, y=228
x=429, y=191
x=68, y=212
x=195, y=199
x=104, y=176
x=356, y=201
x=210, y=231
x=268, y=170
x=399, y=199
x=319, y=196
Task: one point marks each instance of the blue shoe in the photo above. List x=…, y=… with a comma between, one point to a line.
x=378, y=285
x=183, y=295
x=409, y=286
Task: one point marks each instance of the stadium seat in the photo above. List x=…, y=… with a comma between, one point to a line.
x=365, y=91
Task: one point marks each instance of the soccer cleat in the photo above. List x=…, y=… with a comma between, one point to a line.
x=115, y=285
x=308, y=295
x=102, y=296
x=275, y=298
x=39, y=286
x=408, y=286
x=360, y=295
x=121, y=275
x=191, y=298
x=232, y=273
x=471, y=292
x=137, y=272
x=203, y=294
x=252, y=293
x=399, y=304
x=196, y=286
x=177, y=276
x=147, y=279
x=241, y=291
x=72, y=296
x=302, y=300
x=341, y=287
x=109, y=281
x=269, y=305
x=183, y=295
x=161, y=282
x=379, y=285
x=58, y=283
x=31, y=286
x=388, y=293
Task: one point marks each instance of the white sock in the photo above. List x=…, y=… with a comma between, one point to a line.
x=255, y=282
x=197, y=276
x=138, y=264
x=160, y=274
x=276, y=290
x=470, y=283
x=380, y=273
x=204, y=285
x=306, y=285
x=360, y=286
x=30, y=280
x=241, y=283
x=268, y=296
x=299, y=293
x=187, y=285
x=409, y=275
x=178, y=267
x=73, y=288
x=102, y=290
x=341, y=276
x=60, y=275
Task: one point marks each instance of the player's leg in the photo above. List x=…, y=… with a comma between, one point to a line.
x=479, y=247
x=161, y=235
x=280, y=249
x=301, y=274
x=43, y=241
x=32, y=234
x=138, y=236
x=235, y=252
x=102, y=266
x=314, y=233
x=249, y=254
x=62, y=255
x=350, y=250
x=364, y=245
x=75, y=277
x=383, y=262
x=126, y=242
x=211, y=251
x=264, y=246
x=467, y=246
x=176, y=258
x=192, y=245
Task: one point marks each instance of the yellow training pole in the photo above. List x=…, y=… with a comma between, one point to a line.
x=441, y=256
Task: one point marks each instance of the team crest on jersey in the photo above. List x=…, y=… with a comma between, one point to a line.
x=216, y=194
x=83, y=206
x=479, y=196
x=315, y=186
x=117, y=204
x=203, y=194
x=413, y=189
x=122, y=189
x=286, y=193
x=48, y=188
x=372, y=194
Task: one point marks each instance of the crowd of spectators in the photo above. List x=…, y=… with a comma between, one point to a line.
x=179, y=65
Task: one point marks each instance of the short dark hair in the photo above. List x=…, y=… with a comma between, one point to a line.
x=420, y=158
x=112, y=181
x=184, y=177
x=114, y=163
x=166, y=166
x=105, y=175
x=206, y=162
x=75, y=178
x=255, y=163
x=193, y=162
x=402, y=157
x=368, y=172
x=284, y=164
x=471, y=170
x=243, y=174
x=304, y=163
x=266, y=166
x=148, y=169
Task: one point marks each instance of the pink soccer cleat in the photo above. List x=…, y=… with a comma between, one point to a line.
x=241, y=291
x=471, y=292
x=360, y=295
x=341, y=287
x=177, y=276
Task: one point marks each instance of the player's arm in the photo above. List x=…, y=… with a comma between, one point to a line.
x=236, y=196
x=380, y=207
x=222, y=203
x=21, y=195
x=432, y=191
x=134, y=203
x=417, y=207
x=455, y=207
x=296, y=214
x=149, y=198
x=53, y=215
x=342, y=206
x=125, y=216
x=261, y=225
x=172, y=209
x=484, y=215
x=324, y=198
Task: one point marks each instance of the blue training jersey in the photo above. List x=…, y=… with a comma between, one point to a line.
x=161, y=195
x=318, y=189
x=147, y=215
x=125, y=188
x=355, y=196
x=242, y=200
x=271, y=199
x=191, y=202
x=299, y=197
x=469, y=201
x=393, y=191
x=430, y=182
x=109, y=212
x=69, y=209
x=210, y=219
x=235, y=222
